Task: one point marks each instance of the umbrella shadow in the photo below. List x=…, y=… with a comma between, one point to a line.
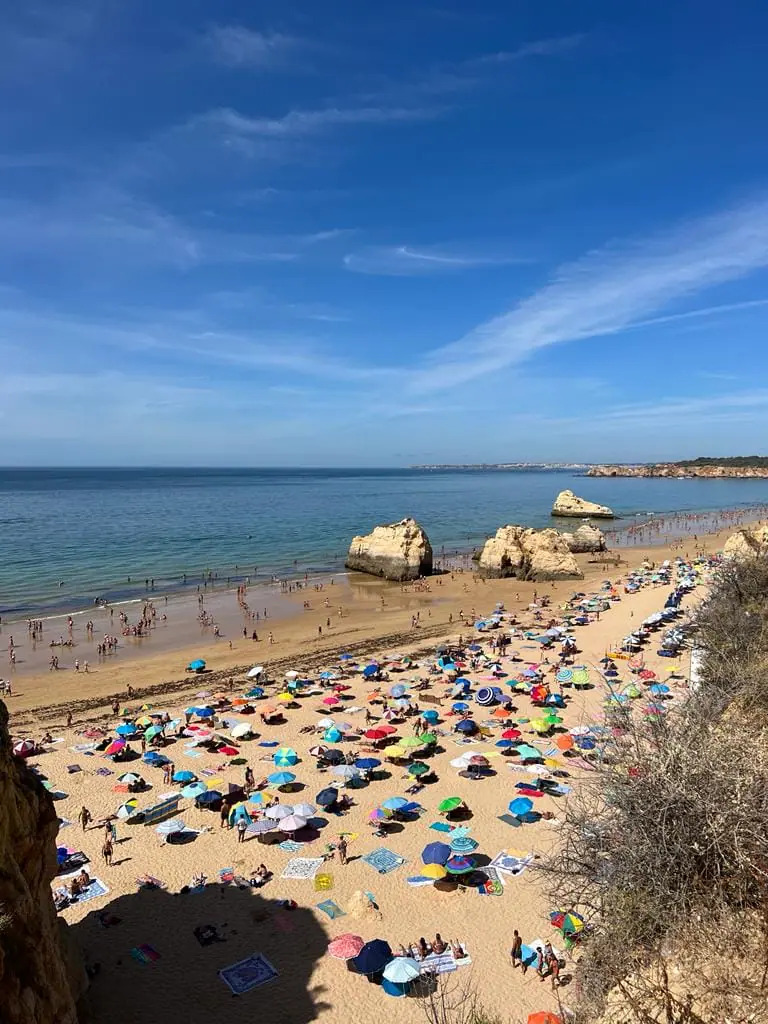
x=169, y=928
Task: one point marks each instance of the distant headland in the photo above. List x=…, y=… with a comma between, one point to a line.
x=737, y=466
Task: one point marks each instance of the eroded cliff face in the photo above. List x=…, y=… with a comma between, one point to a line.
x=34, y=981
x=568, y=504
x=399, y=551
x=528, y=555
x=669, y=469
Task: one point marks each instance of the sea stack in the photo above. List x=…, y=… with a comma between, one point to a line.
x=398, y=551
x=40, y=979
x=586, y=540
x=748, y=542
x=569, y=504
x=528, y=555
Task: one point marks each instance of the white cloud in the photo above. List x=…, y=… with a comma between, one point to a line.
x=407, y=261
x=606, y=292
x=302, y=123
x=240, y=47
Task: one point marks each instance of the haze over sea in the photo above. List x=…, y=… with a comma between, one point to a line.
x=68, y=536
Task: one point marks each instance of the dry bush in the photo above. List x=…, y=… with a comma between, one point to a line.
x=666, y=847
x=450, y=999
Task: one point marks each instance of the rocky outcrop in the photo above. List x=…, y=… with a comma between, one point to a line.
x=748, y=542
x=400, y=551
x=675, y=471
x=586, y=540
x=35, y=986
x=569, y=504
x=528, y=555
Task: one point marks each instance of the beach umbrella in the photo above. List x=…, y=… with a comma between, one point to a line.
x=541, y=725
x=460, y=762
x=292, y=674
x=466, y=726
x=128, y=809
x=261, y=798
x=331, y=701
x=585, y=743
x=304, y=810
x=463, y=844
x=152, y=731
x=373, y=957
x=402, y=969
x=529, y=753
x=418, y=768
x=262, y=826
x=328, y=675
x=568, y=921
x=394, y=803
x=389, y=713
x=210, y=796
x=327, y=797
x=333, y=756
x=436, y=853
x=397, y=691
x=240, y=730
x=367, y=764
x=345, y=947
x=145, y=720
x=318, y=750
x=325, y=723
x=255, y=692
x=564, y=742
x=194, y=790
x=170, y=827
x=346, y=771
x=505, y=743
x=114, y=747
x=376, y=734
x=152, y=757
x=478, y=761
x=520, y=806
x=449, y=804
x=379, y=814
x=281, y=778
x=460, y=705
x=292, y=823
x=459, y=865
x=430, y=716
x=544, y=1017
x=130, y=777
x=658, y=689
x=278, y=811
x=333, y=735
x=255, y=672
x=412, y=741
x=485, y=696
x=511, y=734
x=285, y=757
x=181, y=776
x=433, y=871
x=128, y=729
x=196, y=666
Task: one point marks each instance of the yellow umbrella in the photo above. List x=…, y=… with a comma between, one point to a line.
x=541, y=725
x=436, y=871
x=285, y=697
x=144, y=720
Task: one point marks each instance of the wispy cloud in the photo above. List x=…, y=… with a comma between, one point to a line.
x=239, y=47
x=409, y=261
x=302, y=123
x=606, y=292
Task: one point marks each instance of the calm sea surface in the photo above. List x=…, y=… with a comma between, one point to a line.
x=69, y=536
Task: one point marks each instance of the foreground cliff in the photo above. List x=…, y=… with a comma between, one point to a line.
x=398, y=551
x=34, y=983
x=748, y=542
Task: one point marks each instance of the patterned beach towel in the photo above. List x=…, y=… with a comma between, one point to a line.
x=383, y=860
x=333, y=910
x=247, y=974
x=302, y=868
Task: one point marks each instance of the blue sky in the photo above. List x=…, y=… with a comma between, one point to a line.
x=381, y=234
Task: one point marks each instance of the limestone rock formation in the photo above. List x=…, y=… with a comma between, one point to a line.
x=35, y=985
x=748, y=542
x=569, y=504
x=528, y=555
x=586, y=540
x=399, y=551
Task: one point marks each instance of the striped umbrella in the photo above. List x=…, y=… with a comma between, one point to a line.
x=485, y=696
x=459, y=865
x=464, y=845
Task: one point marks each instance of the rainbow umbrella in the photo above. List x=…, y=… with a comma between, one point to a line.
x=459, y=865
x=569, y=922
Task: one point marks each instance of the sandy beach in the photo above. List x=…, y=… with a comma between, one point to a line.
x=311, y=985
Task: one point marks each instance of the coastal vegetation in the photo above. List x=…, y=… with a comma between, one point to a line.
x=735, y=461
x=665, y=849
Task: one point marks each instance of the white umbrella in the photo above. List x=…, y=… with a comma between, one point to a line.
x=292, y=823
x=303, y=810
x=255, y=672
x=325, y=723
x=460, y=762
x=346, y=771
x=402, y=969
x=240, y=730
x=293, y=674
x=278, y=811
x=169, y=828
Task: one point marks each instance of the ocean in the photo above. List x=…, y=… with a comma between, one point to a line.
x=70, y=536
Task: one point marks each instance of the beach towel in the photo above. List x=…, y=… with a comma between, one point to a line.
x=226, y=875
x=440, y=826
x=94, y=890
x=302, y=868
x=383, y=860
x=418, y=880
x=444, y=963
x=247, y=974
x=333, y=910
x=208, y=772
x=104, y=772
x=145, y=954
x=512, y=862
x=493, y=874
x=149, y=882
x=323, y=882
x=290, y=846
x=491, y=888
x=191, y=752
x=269, y=743
x=81, y=748
x=510, y=819
x=75, y=859
x=72, y=768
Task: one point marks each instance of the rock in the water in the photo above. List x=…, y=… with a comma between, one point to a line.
x=748, y=542
x=528, y=555
x=586, y=540
x=400, y=551
x=35, y=980
x=568, y=504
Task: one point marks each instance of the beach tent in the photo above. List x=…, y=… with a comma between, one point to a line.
x=166, y=807
x=239, y=813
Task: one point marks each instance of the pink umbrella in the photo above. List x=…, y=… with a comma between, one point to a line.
x=292, y=823
x=330, y=701
x=345, y=947
x=115, y=747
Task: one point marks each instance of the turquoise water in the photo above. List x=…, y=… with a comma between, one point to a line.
x=70, y=536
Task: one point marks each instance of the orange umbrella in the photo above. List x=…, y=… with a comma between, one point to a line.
x=501, y=713
x=240, y=701
x=564, y=742
x=544, y=1017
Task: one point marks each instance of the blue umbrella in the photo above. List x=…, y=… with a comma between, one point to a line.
x=463, y=845
x=585, y=743
x=194, y=790
x=345, y=657
x=461, y=681
x=436, y=853
x=209, y=797
x=204, y=712
x=255, y=691
x=395, y=988
x=196, y=666
x=373, y=957
x=370, y=670
x=485, y=696
x=126, y=730
x=657, y=690
x=397, y=691
x=460, y=705
x=430, y=716
x=281, y=778
x=367, y=764
x=327, y=797
x=184, y=776
x=466, y=726
x=169, y=828
x=394, y=803
x=332, y=736
x=520, y=806
x=505, y=743
x=152, y=757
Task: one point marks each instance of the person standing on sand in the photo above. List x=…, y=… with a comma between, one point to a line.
x=106, y=851
x=84, y=817
x=342, y=848
x=242, y=825
x=517, y=951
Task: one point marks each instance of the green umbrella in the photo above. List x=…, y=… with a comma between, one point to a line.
x=411, y=741
x=450, y=803
x=418, y=768
x=428, y=737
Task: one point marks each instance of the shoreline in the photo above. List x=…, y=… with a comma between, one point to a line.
x=376, y=615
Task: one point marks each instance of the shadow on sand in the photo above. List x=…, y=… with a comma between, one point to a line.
x=182, y=984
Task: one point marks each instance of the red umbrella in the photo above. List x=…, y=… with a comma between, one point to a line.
x=544, y=1017
x=228, y=751
x=387, y=729
x=511, y=734
x=346, y=946
x=330, y=701
x=647, y=674
x=539, y=693
x=115, y=747
x=479, y=761
x=375, y=734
